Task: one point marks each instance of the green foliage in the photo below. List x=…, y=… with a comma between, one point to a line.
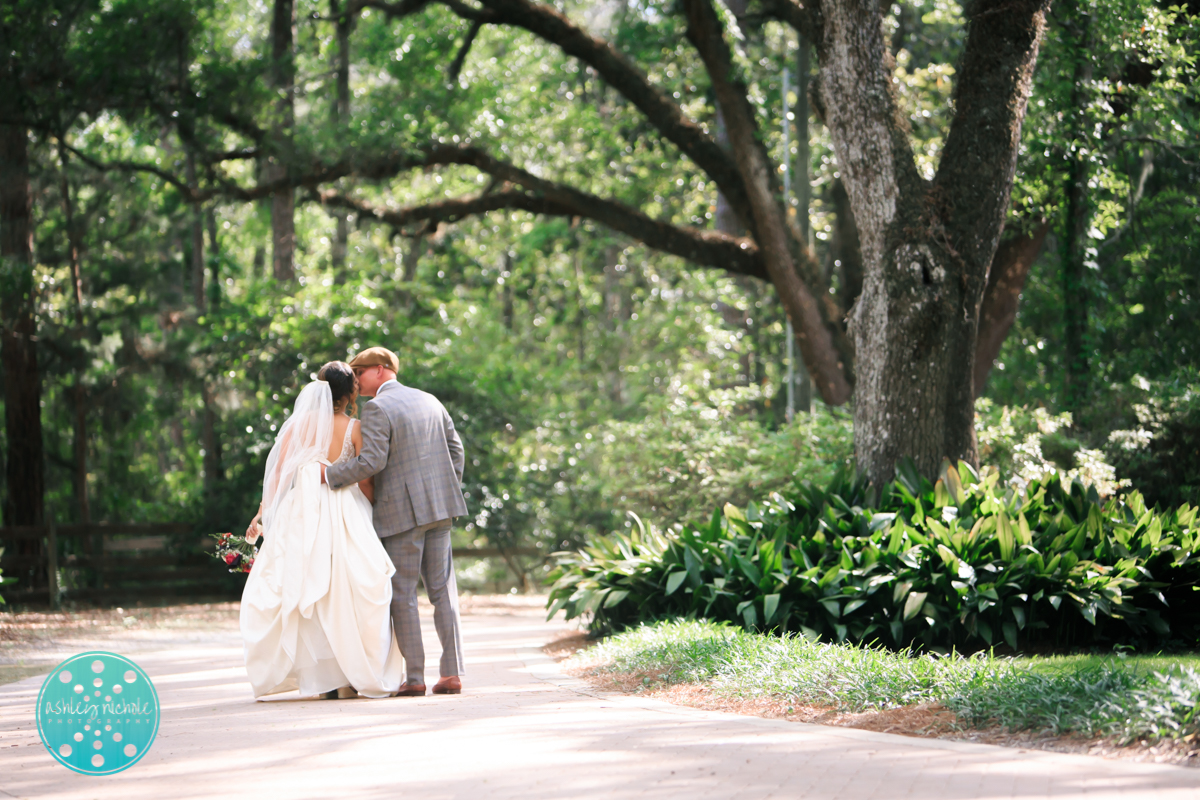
x=1162, y=454
x=1126, y=698
x=960, y=563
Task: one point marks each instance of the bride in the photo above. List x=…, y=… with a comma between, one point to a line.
x=315, y=612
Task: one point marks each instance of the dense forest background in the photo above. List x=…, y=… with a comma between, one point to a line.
x=589, y=374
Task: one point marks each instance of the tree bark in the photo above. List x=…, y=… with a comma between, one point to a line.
x=24, y=469
x=845, y=247
x=214, y=471
x=78, y=391
x=770, y=225
x=926, y=247
x=197, y=240
x=1006, y=280
x=214, y=261
x=1076, y=222
x=341, y=116
x=283, y=207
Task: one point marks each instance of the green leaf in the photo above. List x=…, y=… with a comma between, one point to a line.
x=912, y=606
x=750, y=615
x=853, y=606
x=614, y=597
x=1019, y=615
x=1024, y=534
x=1010, y=634
x=748, y=569
x=1005, y=537
x=941, y=496
x=985, y=630
x=770, y=605
x=674, y=581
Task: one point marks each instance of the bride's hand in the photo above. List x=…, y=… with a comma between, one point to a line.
x=254, y=529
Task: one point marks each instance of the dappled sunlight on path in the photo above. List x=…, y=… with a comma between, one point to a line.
x=523, y=730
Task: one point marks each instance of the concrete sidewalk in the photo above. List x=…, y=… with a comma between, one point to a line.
x=523, y=730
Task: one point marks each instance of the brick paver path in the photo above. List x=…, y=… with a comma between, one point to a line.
x=526, y=732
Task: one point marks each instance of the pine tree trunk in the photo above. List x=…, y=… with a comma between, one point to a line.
x=1075, y=225
x=24, y=469
x=341, y=117
x=214, y=472
x=214, y=260
x=79, y=396
x=78, y=391
x=283, y=208
x=197, y=244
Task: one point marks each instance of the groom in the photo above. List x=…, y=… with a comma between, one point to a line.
x=409, y=444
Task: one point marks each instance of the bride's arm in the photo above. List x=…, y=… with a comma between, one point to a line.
x=254, y=530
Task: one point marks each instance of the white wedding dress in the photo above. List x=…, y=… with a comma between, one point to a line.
x=316, y=609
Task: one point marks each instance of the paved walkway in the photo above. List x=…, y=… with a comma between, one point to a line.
x=523, y=730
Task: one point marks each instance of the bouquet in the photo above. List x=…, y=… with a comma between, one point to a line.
x=235, y=552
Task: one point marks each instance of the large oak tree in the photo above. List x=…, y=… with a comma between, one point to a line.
x=927, y=245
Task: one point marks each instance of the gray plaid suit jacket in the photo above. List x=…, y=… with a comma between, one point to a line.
x=412, y=449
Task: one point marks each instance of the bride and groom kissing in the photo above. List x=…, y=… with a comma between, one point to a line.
x=352, y=515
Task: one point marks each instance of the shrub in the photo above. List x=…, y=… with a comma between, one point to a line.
x=960, y=563
x=1162, y=454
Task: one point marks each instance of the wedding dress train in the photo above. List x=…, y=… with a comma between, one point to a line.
x=316, y=609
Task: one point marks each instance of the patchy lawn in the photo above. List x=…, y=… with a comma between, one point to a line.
x=1141, y=707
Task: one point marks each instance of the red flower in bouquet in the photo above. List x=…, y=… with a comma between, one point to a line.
x=236, y=554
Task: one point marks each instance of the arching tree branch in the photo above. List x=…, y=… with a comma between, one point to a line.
x=813, y=334
x=704, y=248
x=624, y=76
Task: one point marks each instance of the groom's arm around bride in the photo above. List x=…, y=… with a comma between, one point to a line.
x=411, y=448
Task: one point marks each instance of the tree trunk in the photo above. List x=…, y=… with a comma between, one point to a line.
x=78, y=391
x=847, y=251
x=214, y=471
x=1075, y=225
x=258, y=262
x=506, y=293
x=341, y=116
x=79, y=396
x=283, y=73
x=1006, y=280
x=926, y=248
x=615, y=313
x=801, y=381
x=197, y=243
x=214, y=261
x=24, y=470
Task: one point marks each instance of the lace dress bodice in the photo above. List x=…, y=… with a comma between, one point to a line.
x=347, y=445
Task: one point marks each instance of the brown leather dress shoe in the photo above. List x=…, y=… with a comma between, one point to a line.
x=410, y=690
x=451, y=685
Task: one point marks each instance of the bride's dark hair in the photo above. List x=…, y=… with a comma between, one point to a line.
x=342, y=384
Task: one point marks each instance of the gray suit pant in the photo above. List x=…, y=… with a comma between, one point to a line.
x=425, y=552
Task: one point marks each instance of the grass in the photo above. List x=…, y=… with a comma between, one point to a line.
x=1122, y=697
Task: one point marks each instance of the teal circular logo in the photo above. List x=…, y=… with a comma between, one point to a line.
x=97, y=713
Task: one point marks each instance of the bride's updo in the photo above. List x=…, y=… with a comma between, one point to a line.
x=342, y=384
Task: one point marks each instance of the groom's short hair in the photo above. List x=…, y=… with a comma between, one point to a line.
x=376, y=357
